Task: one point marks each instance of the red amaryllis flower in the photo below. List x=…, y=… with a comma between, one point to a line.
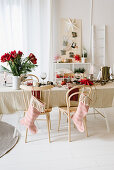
x=20, y=53
x=13, y=54
x=77, y=57
x=34, y=61
x=32, y=58
x=5, y=57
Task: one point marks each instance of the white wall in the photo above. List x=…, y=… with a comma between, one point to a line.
x=103, y=13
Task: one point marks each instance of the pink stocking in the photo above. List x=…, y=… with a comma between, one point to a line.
x=29, y=119
x=34, y=110
x=78, y=116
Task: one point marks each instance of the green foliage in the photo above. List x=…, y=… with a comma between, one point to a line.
x=79, y=70
x=4, y=69
x=85, y=54
x=20, y=66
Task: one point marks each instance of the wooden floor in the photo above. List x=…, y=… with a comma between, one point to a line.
x=93, y=153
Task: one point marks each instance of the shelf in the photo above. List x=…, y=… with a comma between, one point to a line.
x=69, y=66
x=71, y=63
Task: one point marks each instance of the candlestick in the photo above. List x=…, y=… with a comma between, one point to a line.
x=83, y=53
x=5, y=78
x=4, y=75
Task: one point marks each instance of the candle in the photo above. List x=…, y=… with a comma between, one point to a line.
x=91, y=69
x=5, y=76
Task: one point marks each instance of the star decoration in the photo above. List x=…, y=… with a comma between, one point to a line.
x=71, y=24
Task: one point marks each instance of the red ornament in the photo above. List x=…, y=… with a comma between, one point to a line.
x=63, y=83
x=57, y=76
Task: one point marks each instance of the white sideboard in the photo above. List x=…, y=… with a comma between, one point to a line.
x=70, y=66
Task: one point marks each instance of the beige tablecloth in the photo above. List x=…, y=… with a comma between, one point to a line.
x=13, y=100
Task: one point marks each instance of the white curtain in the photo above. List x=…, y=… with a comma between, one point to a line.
x=25, y=25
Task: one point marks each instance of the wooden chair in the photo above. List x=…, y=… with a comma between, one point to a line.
x=69, y=109
x=29, y=77
x=47, y=90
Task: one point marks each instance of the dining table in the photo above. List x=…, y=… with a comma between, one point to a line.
x=13, y=100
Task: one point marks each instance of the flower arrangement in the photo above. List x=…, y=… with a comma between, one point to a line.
x=77, y=58
x=18, y=64
x=86, y=81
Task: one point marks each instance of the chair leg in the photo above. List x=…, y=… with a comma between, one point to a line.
x=74, y=126
x=49, y=121
x=48, y=124
x=59, y=119
x=1, y=115
x=24, y=113
x=85, y=126
x=69, y=128
x=107, y=124
x=105, y=116
x=26, y=135
x=94, y=113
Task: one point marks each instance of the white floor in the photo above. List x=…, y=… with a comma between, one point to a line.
x=93, y=153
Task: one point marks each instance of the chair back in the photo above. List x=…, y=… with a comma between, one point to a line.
x=46, y=89
x=29, y=78
x=73, y=92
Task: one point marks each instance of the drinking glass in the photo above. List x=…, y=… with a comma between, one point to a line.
x=43, y=76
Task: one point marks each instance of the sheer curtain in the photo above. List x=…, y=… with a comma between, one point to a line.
x=25, y=25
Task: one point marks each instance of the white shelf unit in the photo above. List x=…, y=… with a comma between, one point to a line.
x=71, y=66
x=98, y=46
